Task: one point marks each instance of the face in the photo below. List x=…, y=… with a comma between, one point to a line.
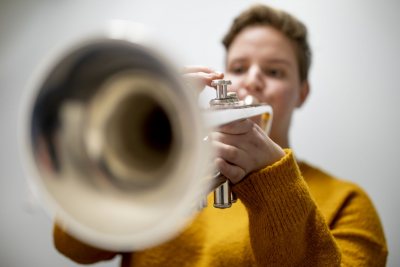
x=262, y=62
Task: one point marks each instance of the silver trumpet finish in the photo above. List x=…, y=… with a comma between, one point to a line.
x=112, y=140
x=222, y=194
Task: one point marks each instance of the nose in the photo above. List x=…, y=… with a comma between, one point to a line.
x=254, y=83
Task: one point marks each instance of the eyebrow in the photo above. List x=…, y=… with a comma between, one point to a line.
x=268, y=61
x=279, y=61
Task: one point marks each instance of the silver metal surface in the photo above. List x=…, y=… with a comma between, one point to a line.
x=223, y=196
x=223, y=100
x=106, y=143
x=113, y=141
x=221, y=88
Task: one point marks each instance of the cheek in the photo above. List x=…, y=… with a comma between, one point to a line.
x=236, y=82
x=282, y=98
x=237, y=86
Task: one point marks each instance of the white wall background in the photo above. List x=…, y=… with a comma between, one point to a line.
x=350, y=125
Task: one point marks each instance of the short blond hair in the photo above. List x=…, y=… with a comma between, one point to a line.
x=287, y=24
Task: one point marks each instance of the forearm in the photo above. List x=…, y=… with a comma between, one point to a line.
x=286, y=229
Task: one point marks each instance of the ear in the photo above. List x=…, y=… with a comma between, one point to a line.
x=304, y=91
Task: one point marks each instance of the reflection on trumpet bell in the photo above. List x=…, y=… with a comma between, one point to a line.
x=130, y=133
x=114, y=141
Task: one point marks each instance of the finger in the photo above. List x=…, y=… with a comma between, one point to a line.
x=237, y=127
x=234, y=173
x=232, y=154
x=260, y=131
x=202, y=78
x=240, y=141
x=196, y=68
x=255, y=138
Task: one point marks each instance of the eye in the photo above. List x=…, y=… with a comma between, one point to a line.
x=274, y=73
x=237, y=69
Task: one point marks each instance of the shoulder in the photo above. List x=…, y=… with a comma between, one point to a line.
x=324, y=183
x=348, y=211
x=334, y=195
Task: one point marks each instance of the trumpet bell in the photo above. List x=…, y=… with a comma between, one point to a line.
x=112, y=140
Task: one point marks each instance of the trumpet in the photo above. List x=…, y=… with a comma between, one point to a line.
x=112, y=139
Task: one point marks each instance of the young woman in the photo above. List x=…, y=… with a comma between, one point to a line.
x=289, y=213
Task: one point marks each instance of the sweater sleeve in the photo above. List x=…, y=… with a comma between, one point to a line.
x=77, y=250
x=287, y=229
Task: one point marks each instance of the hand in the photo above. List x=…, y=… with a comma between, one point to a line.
x=200, y=76
x=242, y=147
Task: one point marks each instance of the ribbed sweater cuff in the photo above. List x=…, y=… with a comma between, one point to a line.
x=277, y=190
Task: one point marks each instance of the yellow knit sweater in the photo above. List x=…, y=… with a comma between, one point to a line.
x=285, y=216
